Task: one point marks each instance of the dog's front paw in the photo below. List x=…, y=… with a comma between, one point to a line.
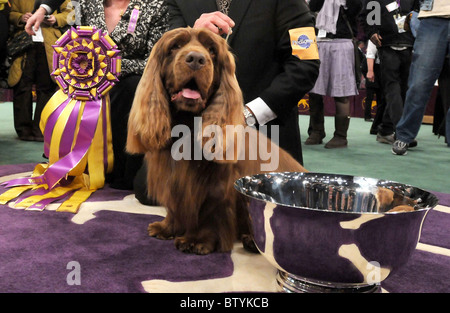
x=191, y=246
x=159, y=230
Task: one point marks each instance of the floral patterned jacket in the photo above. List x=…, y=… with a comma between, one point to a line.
x=135, y=46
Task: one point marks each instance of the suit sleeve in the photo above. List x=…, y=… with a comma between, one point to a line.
x=53, y=4
x=298, y=76
x=176, y=19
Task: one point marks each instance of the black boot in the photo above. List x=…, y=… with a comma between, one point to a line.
x=339, y=139
x=316, y=128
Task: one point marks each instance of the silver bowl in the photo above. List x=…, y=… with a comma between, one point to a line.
x=334, y=233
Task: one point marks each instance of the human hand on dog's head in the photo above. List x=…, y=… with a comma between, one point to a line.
x=217, y=22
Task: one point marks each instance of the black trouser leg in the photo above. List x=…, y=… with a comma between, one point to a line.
x=395, y=71
x=23, y=97
x=125, y=165
x=45, y=87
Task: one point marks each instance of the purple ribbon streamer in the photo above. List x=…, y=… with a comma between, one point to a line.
x=88, y=125
x=51, y=125
x=65, y=144
x=30, y=193
x=23, y=181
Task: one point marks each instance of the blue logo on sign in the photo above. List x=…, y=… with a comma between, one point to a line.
x=303, y=41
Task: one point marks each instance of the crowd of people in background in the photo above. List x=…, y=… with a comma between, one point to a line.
x=405, y=44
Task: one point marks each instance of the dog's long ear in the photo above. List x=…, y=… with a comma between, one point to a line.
x=229, y=94
x=149, y=124
x=226, y=107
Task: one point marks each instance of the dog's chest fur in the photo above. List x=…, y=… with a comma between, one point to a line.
x=186, y=178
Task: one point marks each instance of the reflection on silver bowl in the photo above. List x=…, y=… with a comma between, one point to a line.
x=334, y=233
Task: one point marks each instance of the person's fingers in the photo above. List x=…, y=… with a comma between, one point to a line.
x=35, y=20
x=379, y=40
x=206, y=24
x=225, y=18
x=217, y=22
x=29, y=27
x=51, y=20
x=376, y=39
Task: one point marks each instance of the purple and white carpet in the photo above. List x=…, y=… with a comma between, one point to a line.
x=104, y=248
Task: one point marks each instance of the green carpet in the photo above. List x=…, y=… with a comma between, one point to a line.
x=427, y=166
x=13, y=150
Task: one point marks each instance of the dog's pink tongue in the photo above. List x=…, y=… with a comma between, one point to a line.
x=190, y=94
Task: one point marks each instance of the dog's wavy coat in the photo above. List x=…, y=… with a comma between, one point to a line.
x=191, y=73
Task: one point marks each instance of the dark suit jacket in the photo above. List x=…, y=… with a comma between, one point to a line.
x=265, y=66
x=54, y=4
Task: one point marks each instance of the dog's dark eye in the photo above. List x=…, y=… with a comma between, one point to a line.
x=174, y=47
x=212, y=51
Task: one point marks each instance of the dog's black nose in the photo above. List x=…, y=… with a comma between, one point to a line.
x=195, y=60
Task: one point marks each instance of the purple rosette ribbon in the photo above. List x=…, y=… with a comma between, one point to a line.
x=75, y=122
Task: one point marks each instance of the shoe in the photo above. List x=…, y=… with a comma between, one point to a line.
x=412, y=144
x=38, y=138
x=399, y=147
x=315, y=138
x=339, y=140
x=26, y=138
x=389, y=139
x=336, y=142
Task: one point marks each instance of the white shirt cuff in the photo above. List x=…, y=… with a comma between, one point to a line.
x=262, y=111
x=47, y=8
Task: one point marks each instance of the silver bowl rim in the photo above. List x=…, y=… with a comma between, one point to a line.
x=416, y=209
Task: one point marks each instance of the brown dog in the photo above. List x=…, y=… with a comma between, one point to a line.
x=190, y=77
